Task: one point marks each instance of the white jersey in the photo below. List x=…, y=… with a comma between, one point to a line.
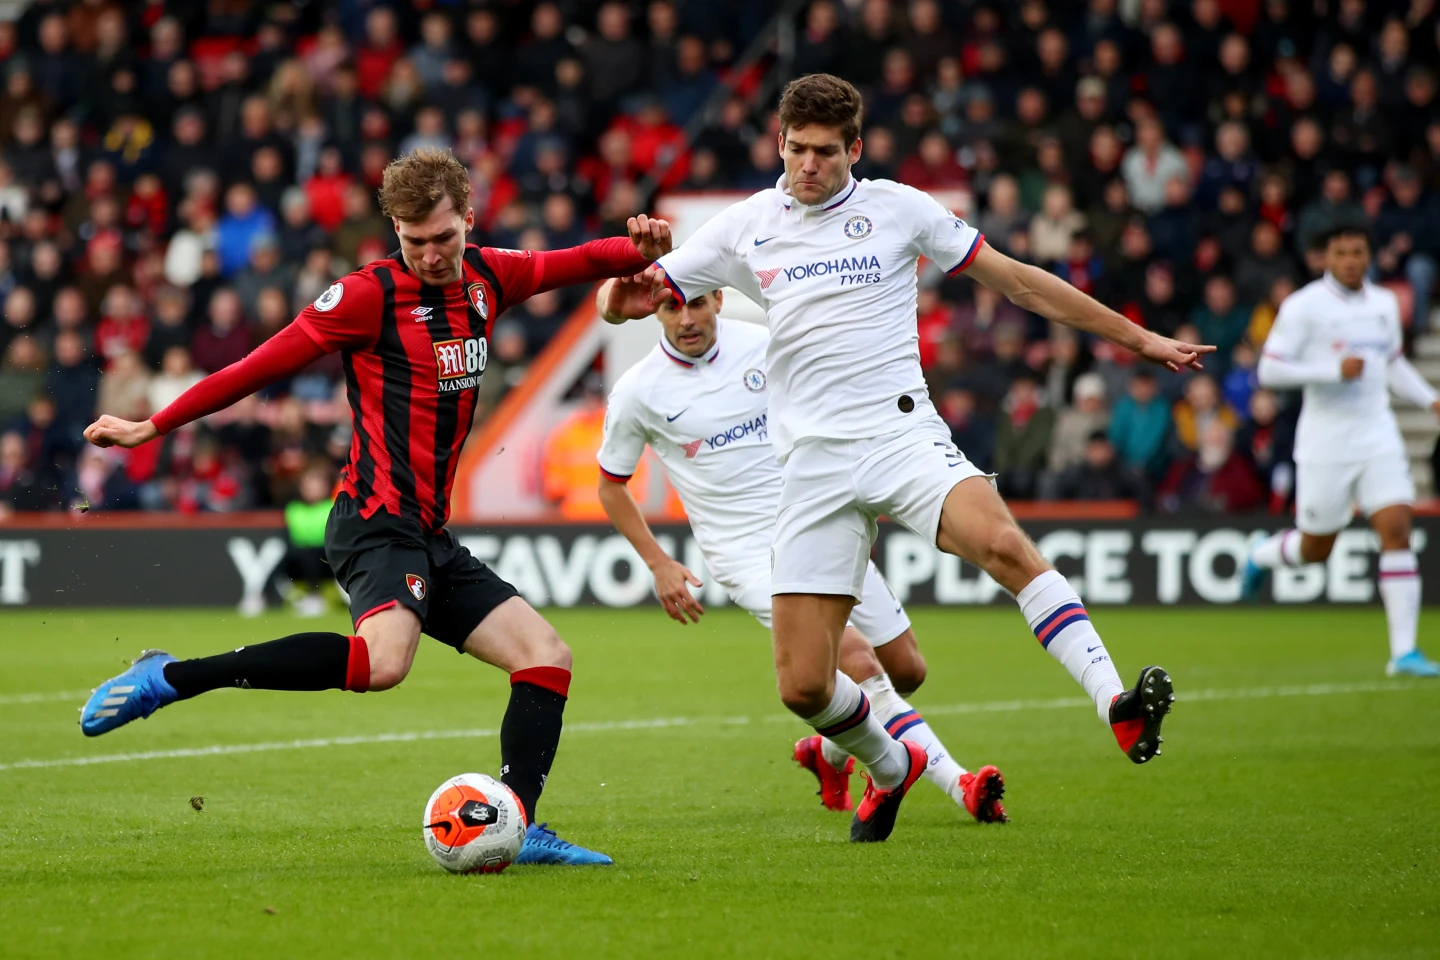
x=1341, y=421
x=838, y=284
x=706, y=419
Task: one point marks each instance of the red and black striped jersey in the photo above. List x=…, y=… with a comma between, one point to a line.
x=413, y=355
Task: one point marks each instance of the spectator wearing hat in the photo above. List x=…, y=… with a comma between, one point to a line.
x=1075, y=424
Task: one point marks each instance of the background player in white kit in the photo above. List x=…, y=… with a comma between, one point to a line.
x=833, y=262
x=1339, y=338
x=700, y=400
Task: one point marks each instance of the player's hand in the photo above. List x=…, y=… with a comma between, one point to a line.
x=111, y=431
x=1351, y=368
x=654, y=278
x=1173, y=355
x=651, y=236
x=625, y=298
x=670, y=586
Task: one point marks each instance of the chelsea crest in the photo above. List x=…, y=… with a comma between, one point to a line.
x=858, y=227
x=754, y=379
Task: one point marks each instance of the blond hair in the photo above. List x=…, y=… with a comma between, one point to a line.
x=414, y=185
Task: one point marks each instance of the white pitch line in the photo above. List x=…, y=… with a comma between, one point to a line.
x=661, y=723
x=9, y=699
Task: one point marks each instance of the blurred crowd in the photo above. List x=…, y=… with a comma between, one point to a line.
x=178, y=179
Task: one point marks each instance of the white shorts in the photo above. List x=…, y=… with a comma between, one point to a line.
x=834, y=490
x=878, y=616
x=1326, y=494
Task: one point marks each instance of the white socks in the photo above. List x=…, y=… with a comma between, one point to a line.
x=1278, y=550
x=903, y=722
x=1400, y=591
x=1060, y=623
x=850, y=722
x=1399, y=584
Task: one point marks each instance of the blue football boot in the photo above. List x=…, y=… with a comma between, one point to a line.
x=133, y=695
x=542, y=846
x=1413, y=664
x=1252, y=579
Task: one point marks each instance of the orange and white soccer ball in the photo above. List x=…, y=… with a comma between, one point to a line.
x=474, y=824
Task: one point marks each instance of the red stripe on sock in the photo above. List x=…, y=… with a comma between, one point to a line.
x=1395, y=574
x=554, y=679
x=357, y=669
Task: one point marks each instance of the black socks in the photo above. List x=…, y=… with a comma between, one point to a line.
x=304, y=661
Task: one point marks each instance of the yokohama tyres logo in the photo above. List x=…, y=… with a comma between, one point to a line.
x=767, y=277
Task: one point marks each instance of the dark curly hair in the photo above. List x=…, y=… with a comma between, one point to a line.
x=824, y=99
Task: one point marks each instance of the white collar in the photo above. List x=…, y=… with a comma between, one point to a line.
x=692, y=362
x=790, y=203
x=1340, y=290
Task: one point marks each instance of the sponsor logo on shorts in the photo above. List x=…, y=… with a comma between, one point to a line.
x=416, y=585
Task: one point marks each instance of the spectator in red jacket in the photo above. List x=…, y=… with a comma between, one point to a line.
x=226, y=338
x=123, y=328
x=1215, y=479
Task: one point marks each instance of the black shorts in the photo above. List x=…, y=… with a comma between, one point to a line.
x=386, y=561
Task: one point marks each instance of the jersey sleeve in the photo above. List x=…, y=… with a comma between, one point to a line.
x=624, y=440
x=517, y=272
x=347, y=315
x=1286, y=340
x=708, y=260
x=1282, y=362
x=938, y=234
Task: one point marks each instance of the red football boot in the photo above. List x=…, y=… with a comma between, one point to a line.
x=875, y=817
x=983, y=790
x=834, y=784
x=1135, y=715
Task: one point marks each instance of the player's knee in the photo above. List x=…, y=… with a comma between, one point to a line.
x=907, y=677
x=805, y=696
x=387, y=671
x=1009, y=550
x=544, y=648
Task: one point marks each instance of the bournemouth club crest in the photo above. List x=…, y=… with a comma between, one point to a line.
x=475, y=293
x=416, y=586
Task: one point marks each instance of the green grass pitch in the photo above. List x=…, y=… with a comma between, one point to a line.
x=1294, y=812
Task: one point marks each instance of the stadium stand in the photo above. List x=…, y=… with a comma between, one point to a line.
x=177, y=179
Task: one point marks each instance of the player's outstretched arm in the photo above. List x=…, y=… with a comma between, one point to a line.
x=1044, y=293
x=598, y=259
x=283, y=355
x=671, y=577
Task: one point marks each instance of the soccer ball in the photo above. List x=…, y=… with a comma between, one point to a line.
x=474, y=824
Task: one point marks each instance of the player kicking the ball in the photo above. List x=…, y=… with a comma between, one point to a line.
x=413, y=331
x=699, y=399
x=833, y=262
x=1339, y=338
